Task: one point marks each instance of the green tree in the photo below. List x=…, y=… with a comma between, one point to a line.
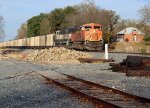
x=34, y=25
x=147, y=38
x=57, y=18
x=48, y=23
x=60, y=18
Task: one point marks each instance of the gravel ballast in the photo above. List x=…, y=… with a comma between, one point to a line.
x=101, y=73
x=33, y=92
x=56, y=54
x=23, y=88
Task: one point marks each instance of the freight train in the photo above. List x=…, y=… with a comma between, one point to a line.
x=85, y=37
x=89, y=37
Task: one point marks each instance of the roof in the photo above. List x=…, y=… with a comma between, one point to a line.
x=129, y=30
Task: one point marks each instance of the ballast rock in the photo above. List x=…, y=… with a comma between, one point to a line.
x=56, y=54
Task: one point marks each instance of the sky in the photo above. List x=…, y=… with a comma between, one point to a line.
x=16, y=12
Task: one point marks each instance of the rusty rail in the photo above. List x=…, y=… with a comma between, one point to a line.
x=130, y=53
x=93, y=60
x=101, y=96
x=137, y=72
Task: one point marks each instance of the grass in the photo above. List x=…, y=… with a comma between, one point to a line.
x=139, y=47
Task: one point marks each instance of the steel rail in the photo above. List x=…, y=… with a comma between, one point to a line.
x=71, y=85
x=142, y=99
x=98, y=102
x=119, y=99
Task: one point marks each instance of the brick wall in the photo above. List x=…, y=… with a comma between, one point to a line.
x=131, y=37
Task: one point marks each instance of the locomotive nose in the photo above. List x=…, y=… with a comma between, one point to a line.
x=95, y=37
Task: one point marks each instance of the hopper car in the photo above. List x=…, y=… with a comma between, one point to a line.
x=85, y=37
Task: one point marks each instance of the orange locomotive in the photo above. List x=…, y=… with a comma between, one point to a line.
x=89, y=37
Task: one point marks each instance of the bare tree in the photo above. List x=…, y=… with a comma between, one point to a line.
x=122, y=24
x=2, y=32
x=85, y=13
x=22, y=31
x=89, y=12
x=44, y=26
x=145, y=13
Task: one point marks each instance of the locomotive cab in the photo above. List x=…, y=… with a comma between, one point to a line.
x=88, y=37
x=92, y=32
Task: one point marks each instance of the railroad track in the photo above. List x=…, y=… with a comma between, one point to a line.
x=101, y=96
x=131, y=53
x=9, y=50
x=120, y=52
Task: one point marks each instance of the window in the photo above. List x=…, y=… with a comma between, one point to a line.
x=97, y=27
x=87, y=27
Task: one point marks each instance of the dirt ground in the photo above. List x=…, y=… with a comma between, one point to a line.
x=133, y=47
